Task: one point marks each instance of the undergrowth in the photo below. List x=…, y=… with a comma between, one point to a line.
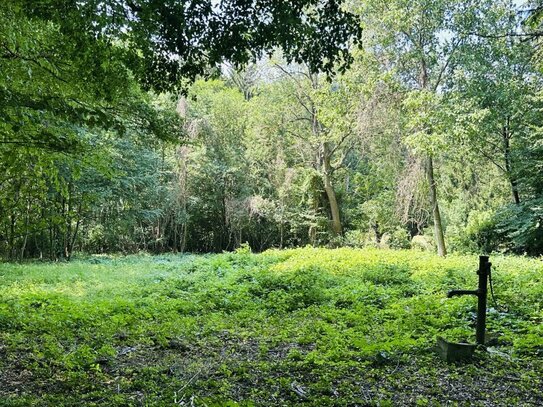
x=296, y=327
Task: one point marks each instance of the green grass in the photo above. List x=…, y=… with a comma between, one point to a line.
x=311, y=327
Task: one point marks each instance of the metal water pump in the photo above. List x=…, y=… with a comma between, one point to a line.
x=481, y=294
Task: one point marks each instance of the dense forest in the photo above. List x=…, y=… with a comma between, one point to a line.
x=425, y=132
x=271, y=203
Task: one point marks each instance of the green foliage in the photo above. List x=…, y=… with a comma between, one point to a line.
x=522, y=226
x=480, y=234
x=429, y=116
x=170, y=42
x=65, y=101
x=259, y=329
x=399, y=239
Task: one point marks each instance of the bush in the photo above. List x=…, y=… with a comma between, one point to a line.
x=481, y=230
x=521, y=226
x=291, y=291
x=358, y=238
x=399, y=239
x=422, y=242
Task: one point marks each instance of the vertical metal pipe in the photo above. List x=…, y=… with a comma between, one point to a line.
x=484, y=269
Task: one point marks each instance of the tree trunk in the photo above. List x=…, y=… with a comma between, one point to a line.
x=27, y=225
x=438, y=226
x=330, y=192
x=377, y=231
x=281, y=234
x=506, y=138
x=76, y=230
x=514, y=189
x=182, y=176
x=184, y=238
x=12, y=249
x=324, y=165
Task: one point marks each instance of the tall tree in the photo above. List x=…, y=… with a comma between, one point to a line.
x=496, y=75
x=420, y=39
x=322, y=119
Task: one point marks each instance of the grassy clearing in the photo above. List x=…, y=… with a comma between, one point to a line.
x=309, y=327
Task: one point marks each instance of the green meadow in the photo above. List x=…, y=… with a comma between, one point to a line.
x=300, y=327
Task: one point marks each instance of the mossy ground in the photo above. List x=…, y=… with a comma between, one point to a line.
x=311, y=327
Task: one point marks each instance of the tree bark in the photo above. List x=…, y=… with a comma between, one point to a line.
x=506, y=139
x=438, y=225
x=183, y=193
x=337, y=228
x=378, y=233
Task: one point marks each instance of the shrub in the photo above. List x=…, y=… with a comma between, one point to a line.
x=290, y=291
x=522, y=226
x=399, y=239
x=358, y=238
x=421, y=242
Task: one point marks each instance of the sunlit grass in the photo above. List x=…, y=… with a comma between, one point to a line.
x=107, y=329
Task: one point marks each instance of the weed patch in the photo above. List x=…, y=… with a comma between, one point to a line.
x=307, y=326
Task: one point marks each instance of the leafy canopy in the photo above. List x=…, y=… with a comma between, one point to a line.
x=168, y=41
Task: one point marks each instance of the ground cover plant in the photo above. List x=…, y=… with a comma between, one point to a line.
x=306, y=326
